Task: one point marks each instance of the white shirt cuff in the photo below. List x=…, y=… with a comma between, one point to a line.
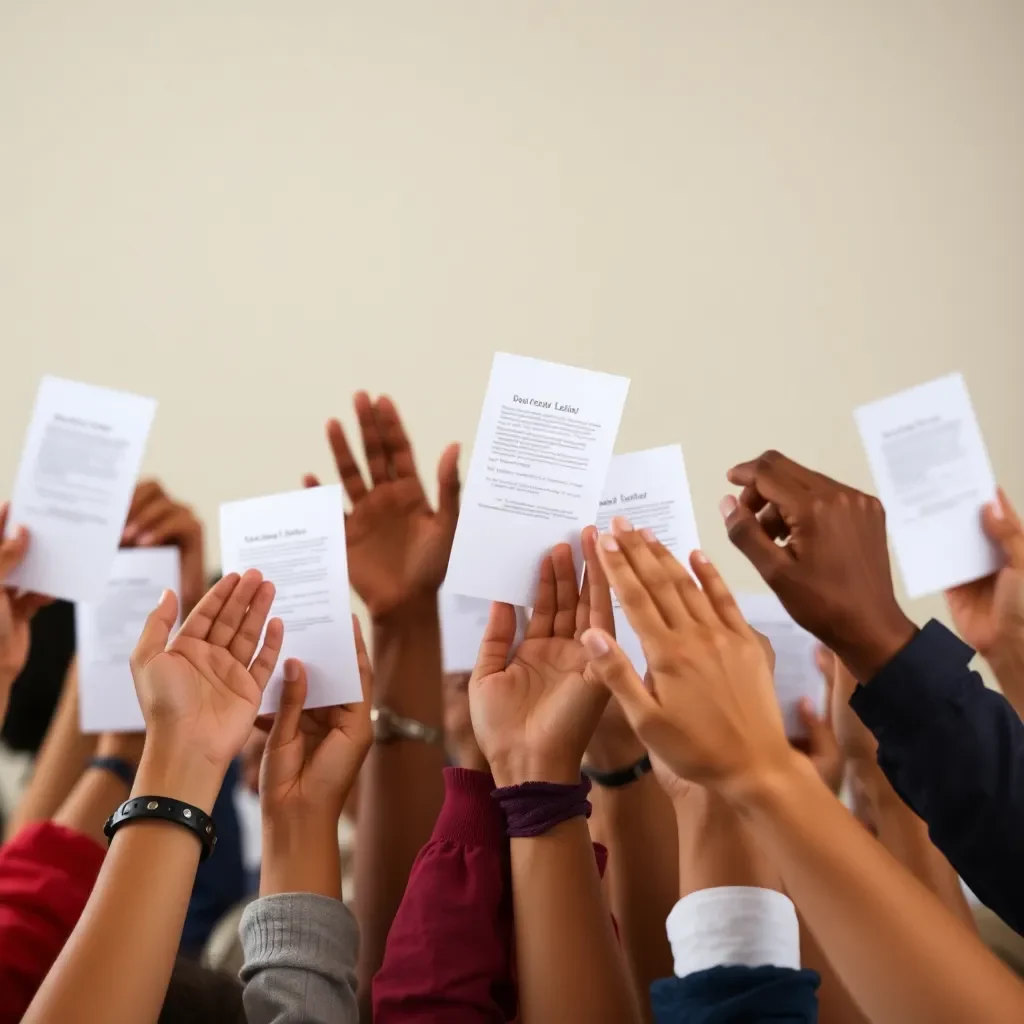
x=738, y=926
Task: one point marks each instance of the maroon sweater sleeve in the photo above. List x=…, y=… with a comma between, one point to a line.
x=46, y=875
x=449, y=954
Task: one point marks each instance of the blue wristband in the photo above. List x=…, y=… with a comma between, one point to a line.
x=118, y=766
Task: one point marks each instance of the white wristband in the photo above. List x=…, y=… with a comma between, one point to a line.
x=733, y=926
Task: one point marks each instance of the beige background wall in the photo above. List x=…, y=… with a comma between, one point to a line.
x=765, y=213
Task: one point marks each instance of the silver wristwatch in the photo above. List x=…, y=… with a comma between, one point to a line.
x=388, y=727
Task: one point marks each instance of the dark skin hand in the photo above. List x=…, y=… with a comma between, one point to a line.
x=398, y=545
x=831, y=570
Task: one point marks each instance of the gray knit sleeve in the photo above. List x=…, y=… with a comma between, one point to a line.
x=300, y=957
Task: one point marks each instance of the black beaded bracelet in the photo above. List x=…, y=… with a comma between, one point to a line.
x=164, y=808
x=622, y=776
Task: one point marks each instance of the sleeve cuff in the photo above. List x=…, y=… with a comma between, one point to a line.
x=295, y=930
x=733, y=926
x=469, y=817
x=927, y=672
x=49, y=843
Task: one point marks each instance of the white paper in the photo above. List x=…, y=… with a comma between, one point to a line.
x=539, y=464
x=463, y=621
x=796, y=672
x=107, y=630
x=651, y=490
x=933, y=476
x=74, y=485
x=297, y=540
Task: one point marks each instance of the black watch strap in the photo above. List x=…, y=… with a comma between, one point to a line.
x=621, y=776
x=164, y=808
x=118, y=766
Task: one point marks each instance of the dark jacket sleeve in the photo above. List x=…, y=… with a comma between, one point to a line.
x=46, y=875
x=954, y=752
x=729, y=995
x=449, y=953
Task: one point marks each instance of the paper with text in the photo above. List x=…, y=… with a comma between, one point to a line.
x=107, y=630
x=74, y=484
x=933, y=476
x=538, y=467
x=796, y=674
x=297, y=540
x=651, y=490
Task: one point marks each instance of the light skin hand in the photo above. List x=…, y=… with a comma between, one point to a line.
x=310, y=764
x=459, y=741
x=155, y=520
x=398, y=545
x=533, y=715
x=820, y=743
x=832, y=570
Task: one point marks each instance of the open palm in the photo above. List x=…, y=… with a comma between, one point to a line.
x=398, y=545
x=200, y=686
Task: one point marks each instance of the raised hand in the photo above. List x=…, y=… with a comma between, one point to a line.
x=201, y=691
x=16, y=610
x=398, y=545
x=989, y=613
x=832, y=572
x=821, y=744
x=711, y=714
x=533, y=715
x=156, y=519
x=312, y=757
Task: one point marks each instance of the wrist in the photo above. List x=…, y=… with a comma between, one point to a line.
x=514, y=770
x=301, y=855
x=614, y=754
x=123, y=746
x=414, y=611
x=179, y=773
x=1006, y=659
x=871, y=650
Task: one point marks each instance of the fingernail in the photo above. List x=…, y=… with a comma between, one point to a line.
x=620, y=524
x=165, y=595
x=595, y=644
x=129, y=532
x=648, y=535
x=20, y=533
x=727, y=506
x=146, y=538
x=291, y=670
x=699, y=556
x=609, y=543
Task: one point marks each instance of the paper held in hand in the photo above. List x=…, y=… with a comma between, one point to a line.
x=651, y=490
x=933, y=476
x=107, y=630
x=538, y=467
x=74, y=485
x=463, y=622
x=297, y=540
x=796, y=673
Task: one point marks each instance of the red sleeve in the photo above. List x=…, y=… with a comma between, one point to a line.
x=449, y=956
x=46, y=875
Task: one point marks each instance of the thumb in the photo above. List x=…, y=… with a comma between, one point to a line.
x=156, y=632
x=496, y=646
x=289, y=711
x=747, y=534
x=1003, y=525
x=448, y=486
x=608, y=665
x=819, y=734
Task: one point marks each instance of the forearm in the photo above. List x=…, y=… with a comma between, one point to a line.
x=96, y=796
x=868, y=913
x=300, y=857
x=401, y=783
x=1008, y=666
x=569, y=966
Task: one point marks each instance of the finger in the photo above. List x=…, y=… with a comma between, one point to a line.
x=348, y=470
x=448, y=487
x=144, y=493
x=816, y=728
x=156, y=631
x=825, y=660
x=397, y=447
x=685, y=585
x=747, y=534
x=775, y=470
x=496, y=646
x=289, y=711
x=363, y=661
x=650, y=571
x=639, y=607
x=376, y=459
x=243, y=645
x=772, y=522
x=26, y=605
x=154, y=510
x=4, y=509
x=310, y=480
x=263, y=667
x=232, y=611
x=1003, y=525
x=717, y=594
x=584, y=608
x=545, y=604
x=12, y=550
x=567, y=591
x=176, y=522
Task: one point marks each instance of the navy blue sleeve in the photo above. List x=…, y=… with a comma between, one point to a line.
x=954, y=752
x=737, y=995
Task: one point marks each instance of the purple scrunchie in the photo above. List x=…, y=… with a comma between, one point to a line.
x=533, y=808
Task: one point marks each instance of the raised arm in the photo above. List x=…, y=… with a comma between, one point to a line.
x=199, y=700
x=713, y=718
x=398, y=549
